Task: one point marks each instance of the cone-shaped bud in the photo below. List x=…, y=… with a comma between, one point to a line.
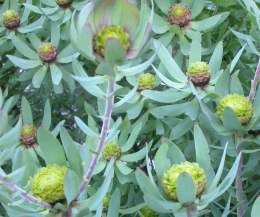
x=112, y=150
x=47, y=53
x=169, y=180
x=147, y=212
x=11, y=19
x=146, y=81
x=179, y=14
x=240, y=105
x=48, y=183
x=199, y=73
x=106, y=201
x=28, y=136
x=110, y=32
x=64, y=3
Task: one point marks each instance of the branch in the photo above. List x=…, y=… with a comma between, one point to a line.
x=102, y=138
x=254, y=83
x=22, y=193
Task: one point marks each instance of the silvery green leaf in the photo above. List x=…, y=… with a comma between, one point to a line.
x=195, y=48
x=203, y=152
x=52, y=150
x=185, y=187
x=56, y=74
x=26, y=112
x=216, y=60
x=161, y=161
x=256, y=208
x=24, y=63
x=210, y=22
x=46, y=120
x=39, y=76
x=127, y=70
x=169, y=63
x=166, y=96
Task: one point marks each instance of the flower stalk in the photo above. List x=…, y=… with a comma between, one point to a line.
x=22, y=193
x=102, y=138
x=254, y=83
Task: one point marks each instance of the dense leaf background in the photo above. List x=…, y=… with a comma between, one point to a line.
x=67, y=101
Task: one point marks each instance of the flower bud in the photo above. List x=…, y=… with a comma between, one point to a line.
x=106, y=201
x=240, y=105
x=111, y=150
x=179, y=14
x=146, y=81
x=64, y=3
x=199, y=73
x=28, y=135
x=169, y=180
x=110, y=32
x=147, y=212
x=11, y=19
x=48, y=183
x=47, y=53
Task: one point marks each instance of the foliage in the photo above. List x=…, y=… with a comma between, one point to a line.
x=129, y=108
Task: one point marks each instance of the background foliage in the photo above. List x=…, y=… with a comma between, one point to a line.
x=167, y=120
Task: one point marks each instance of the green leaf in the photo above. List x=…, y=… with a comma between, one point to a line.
x=114, y=51
x=55, y=33
x=134, y=157
x=39, y=76
x=132, y=138
x=161, y=205
x=256, y=208
x=71, y=185
x=186, y=191
x=26, y=112
x=123, y=168
x=195, y=48
x=46, y=120
x=169, y=63
x=146, y=185
x=203, y=152
x=72, y=152
x=210, y=22
x=231, y=122
x=52, y=151
x=216, y=60
x=23, y=48
x=166, y=96
x=236, y=58
x=94, y=201
x=23, y=63
x=114, y=205
x=161, y=160
x=56, y=74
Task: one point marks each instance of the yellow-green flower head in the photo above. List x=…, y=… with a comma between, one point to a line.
x=48, y=183
x=47, y=52
x=64, y=3
x=147, y=212
x=112, y=150
x=28, y=135
x=110, y=32
x=169, y=180
x=179, y=14
x=240, y=105
x=146, y=81
x=199, y=73
x=106, y=201
x=11, y=19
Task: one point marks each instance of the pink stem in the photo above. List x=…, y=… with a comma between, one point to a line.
x=102, y=138
x=22, y=193
x=254, y=83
